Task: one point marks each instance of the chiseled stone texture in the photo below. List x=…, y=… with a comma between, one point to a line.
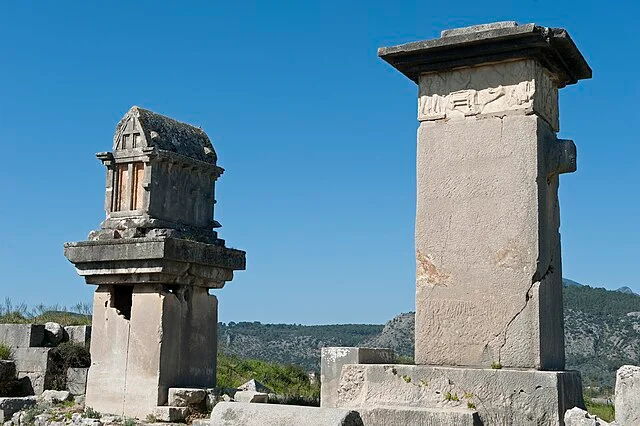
x=136, y=361
x=501, y=397
x=334, y=358
x=80, y=334
x=235, y=414
x=77, y=380
x=22, y=335
x=488, y=278
x=628, y=395
x=185, y=397
x=403, y=416
x=34, y=369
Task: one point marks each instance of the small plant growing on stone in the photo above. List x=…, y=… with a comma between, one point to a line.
x=407, y=379
x=90, y=413
x=151, y=418
x=394, y=371
x=496, y=365
x=424, y=383
x=451, y=396
x=5, y=352
x=471, y=405
x=468, y=395
x=132, y=422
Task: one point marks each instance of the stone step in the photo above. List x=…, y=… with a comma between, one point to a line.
x=402, y=416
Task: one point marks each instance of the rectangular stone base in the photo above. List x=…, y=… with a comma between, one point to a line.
x=500, y=396
x=403, y=416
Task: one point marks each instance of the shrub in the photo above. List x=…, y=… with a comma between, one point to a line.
x=64, y=356
x=5, y=352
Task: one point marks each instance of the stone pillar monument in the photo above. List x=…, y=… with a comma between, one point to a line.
x=488, y=270
x=154, y=259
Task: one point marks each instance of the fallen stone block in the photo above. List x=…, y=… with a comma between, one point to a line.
x=235, y=414
x=22, y=335
x=500, y=396
x=80, y=334
x=332, y=360
x=10, y=406
x=77, y=380
x=255, y=386
x=7, y=370
x=579, y=417
x=251, y=396
x=55, y=396
x=53, y=333
x=171, y=414
x=402, y=416
x=628, y=395
x=185, y=397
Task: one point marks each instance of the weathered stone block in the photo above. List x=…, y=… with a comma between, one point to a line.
x=56, y=396
x=53, y=333
x=10, y=406
x=628, y=395
x=403, y=416
x=185, y=397
x=34, y=368
x=334, y=358
x=170, y=414
x=509, y=397
x=31, y=359
x=77, y=380
x=251, y=396
x=22, y=335
x=80, y=334
x=234, y=414
x=579, y=417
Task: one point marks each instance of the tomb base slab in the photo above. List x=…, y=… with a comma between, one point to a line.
x=500, y=396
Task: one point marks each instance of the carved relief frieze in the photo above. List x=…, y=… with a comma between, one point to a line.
x=490, y=89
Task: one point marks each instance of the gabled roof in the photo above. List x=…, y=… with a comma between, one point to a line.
x=149, y=129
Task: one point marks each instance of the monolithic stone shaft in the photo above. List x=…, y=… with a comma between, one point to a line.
x=488, y=269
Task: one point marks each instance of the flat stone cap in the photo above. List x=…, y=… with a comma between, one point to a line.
x=488, y=43
x=167, y=134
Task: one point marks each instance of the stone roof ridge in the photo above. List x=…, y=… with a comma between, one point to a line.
x=167, y=134
x=254, y=386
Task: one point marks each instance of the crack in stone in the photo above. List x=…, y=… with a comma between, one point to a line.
x=535, y=280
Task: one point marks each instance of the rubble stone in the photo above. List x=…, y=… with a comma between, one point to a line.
x=628, y=395
x=185, y=397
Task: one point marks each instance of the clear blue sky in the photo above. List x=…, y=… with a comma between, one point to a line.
x=316, y=133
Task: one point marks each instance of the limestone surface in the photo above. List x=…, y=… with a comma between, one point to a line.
x=80, y=334
x=403, y=416
x=579, y=417
x=22, y=335
x=77, y=380
x=500, y=396
x=185, y=397
x=235, y=414
x=53, y=333
x=334, y=358
x=628, y=395
x=251, y=396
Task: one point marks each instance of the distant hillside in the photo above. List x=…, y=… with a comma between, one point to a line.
x=602, y=332
x=290, y=344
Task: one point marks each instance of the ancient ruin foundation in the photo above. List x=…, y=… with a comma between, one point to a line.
x=154, y=259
